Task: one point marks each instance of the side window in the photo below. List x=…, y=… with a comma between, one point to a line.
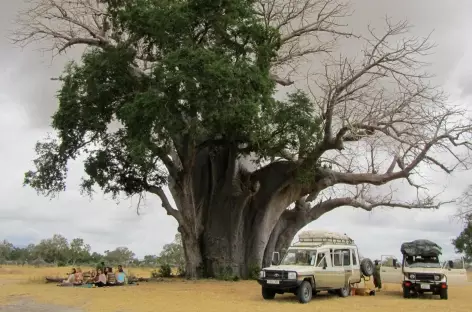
x=337, y=257
x=354, y=257
x=346, y=253
x=321, y=260
x=312, y=257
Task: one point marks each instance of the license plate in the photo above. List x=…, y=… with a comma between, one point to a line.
x=424, y=286
x=273, y=282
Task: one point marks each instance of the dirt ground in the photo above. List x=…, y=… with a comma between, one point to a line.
x=21, y=290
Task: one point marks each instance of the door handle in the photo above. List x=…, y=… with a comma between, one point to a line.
x=348, y=271
x=384, y=271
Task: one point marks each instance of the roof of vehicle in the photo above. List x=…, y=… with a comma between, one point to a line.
x=320, y=237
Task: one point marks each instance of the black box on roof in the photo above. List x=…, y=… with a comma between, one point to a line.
x=421, y=247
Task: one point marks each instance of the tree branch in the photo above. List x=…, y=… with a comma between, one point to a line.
x=328, y=205
x=165, y=203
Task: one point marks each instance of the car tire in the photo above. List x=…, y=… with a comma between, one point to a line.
x=367, y=267
x=268, y=294
x=406, y=293
x=345, y=291
x=304, y=292
x=443, y=294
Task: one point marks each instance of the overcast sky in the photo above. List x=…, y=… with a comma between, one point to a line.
x=27, y=101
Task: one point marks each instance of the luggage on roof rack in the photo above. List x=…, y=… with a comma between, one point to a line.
x=324, y=237
x=421, y=247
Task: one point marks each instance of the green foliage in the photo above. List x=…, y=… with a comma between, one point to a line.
x=121, y=255
x=254, y=270
x=225, y=273
x=463, y=243
x=209, y=82
x=155, y=274
x=165, y=270
x=58, y=251
x=173, y=253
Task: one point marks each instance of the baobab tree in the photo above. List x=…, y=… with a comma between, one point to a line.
x=192, y=85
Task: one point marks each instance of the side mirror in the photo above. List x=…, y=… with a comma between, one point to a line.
x=395, y=263
x=275, y=258
x=451, y=264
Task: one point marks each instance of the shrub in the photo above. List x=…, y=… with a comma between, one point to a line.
x=165, y=270
x=254, y=270
x=181, y=271
x=226, y=274
x=155, y=274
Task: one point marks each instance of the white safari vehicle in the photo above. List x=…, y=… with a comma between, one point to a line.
x=420, y=274
x=319, y=261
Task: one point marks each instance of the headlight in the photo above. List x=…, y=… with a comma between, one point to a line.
x=261, y=274
x=292, y=275
x=412, y=276
x=437, y=277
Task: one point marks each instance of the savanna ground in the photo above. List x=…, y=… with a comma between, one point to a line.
x=22, y=289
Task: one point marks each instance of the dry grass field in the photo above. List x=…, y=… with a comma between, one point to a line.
x=20, y=283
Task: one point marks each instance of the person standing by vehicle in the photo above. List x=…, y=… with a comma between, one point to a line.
x=377, y=280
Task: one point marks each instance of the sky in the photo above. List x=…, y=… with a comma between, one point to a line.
x=27, y=100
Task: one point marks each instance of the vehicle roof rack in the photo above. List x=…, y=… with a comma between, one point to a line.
x=323, y=238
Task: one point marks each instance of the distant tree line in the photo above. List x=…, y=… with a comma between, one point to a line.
x=58, y=251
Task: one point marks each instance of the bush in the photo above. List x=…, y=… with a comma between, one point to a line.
x=165, y=270
x=155, y=274
x=254, y=270
x=226, y=274
x=181, y=271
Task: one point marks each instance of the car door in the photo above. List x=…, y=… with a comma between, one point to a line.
x=390, y=273
x=356, y=270
x=322, y=269
x=339, y=273
x=457, y=274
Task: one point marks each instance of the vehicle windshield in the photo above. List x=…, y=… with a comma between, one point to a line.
x=299, y=257
x=422, y=262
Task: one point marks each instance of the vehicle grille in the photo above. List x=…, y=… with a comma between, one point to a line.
x=425, y=277
x=276, y=274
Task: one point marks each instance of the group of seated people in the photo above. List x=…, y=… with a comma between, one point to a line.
x=102, y=276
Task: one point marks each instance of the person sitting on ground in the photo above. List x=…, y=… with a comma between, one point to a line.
x=100, y=279
x=70, y=279
x=111, y=279
x=90, y=279
x=121, y=278
x=79, y=277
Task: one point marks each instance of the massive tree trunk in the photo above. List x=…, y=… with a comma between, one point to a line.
x=232, y=213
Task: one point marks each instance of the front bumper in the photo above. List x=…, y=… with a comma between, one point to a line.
x=283, y=284
x=418, y=286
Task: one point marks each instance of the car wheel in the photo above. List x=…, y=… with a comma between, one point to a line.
x=406, y=293
x=268, y=294
x=345, y=291
x=305, y=292
x=443, y=294
x=367, y=267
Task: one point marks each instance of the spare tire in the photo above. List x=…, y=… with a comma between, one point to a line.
x=367, y=267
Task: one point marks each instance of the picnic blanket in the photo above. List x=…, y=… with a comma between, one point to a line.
x=92, y=286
